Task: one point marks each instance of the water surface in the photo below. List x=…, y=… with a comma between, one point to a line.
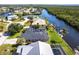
x=72, y=37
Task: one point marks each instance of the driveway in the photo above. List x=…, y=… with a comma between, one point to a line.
x=2, y=38
x=10, y=41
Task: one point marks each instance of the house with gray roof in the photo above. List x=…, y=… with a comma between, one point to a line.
x=32, y=34
x=36, y=48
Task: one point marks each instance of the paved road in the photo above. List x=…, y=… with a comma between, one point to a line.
x=4, y=40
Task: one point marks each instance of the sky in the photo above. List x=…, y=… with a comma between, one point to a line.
x=59, y=2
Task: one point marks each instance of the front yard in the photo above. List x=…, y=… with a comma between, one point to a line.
x=14, y=36
x=3, y=26
x=7, y=49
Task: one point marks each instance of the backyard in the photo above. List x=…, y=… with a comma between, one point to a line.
x=54, y=38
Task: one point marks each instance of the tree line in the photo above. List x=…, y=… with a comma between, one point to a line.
x=68, y=14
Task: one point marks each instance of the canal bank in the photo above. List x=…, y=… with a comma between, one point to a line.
x=71, y=37
x=54, y=38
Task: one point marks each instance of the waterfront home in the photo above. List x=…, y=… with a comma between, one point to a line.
x=39, y=21
x=33, y=34
x=11, y=17
x=4, y=9
x=5, y=14
x=36, y=48
x=33, y=9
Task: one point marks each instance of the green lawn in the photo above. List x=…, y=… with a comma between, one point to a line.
x=3, y=26
x=19, y=34
x=18, y=20
x=27, y=23
x=53, y=35
x=7, y=49
x=14, y=36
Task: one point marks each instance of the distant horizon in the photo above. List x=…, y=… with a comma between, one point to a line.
x=39, y=4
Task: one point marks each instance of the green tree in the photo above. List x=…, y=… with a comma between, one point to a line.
x=36, y=26
x=14, y=28
x=53, y=41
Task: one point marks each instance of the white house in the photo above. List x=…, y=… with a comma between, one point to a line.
x=33, y=9
x=40, y=21
x=10, y=17
x=26, y=18
x=37, y=48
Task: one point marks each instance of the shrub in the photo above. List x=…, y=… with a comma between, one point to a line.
x=21, y=41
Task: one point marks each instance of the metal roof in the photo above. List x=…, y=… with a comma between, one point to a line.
x=37, y=48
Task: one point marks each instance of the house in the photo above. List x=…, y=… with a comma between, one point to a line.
x=5, y=14
x=26, y=18
x=4, y=9
x=36, y=48
x=18, y=11
x=27, y=11
x=32, y=34
x=33, y=9
x=39, y=21
x=10, y=17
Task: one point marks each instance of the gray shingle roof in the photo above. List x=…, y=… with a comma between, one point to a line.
x=35, y=34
